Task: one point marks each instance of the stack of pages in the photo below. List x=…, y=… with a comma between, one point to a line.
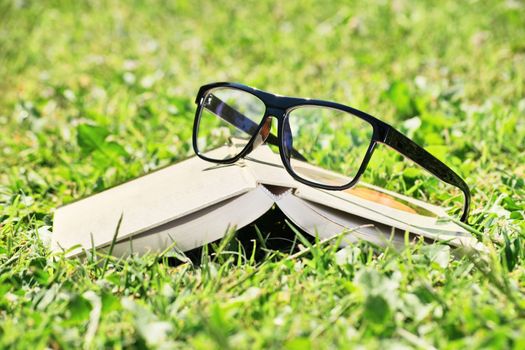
x=196, y=202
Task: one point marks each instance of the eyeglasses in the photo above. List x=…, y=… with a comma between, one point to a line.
x=322, y=144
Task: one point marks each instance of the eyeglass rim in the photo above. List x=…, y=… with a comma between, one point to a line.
x=287, y=160
x=282, y=117
x=383, y=133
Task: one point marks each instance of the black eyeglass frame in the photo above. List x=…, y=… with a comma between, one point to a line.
x=279, y=108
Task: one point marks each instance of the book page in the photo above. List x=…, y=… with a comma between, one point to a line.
x=368, y=201
x=201, y=227
x=382, y=231
x=147, y=202
x=377, y=212
x=327, y=222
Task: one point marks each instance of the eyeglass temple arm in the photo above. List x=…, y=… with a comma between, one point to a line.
x=419, y=155
x=240, y=121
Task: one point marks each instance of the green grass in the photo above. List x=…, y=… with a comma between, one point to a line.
x=130, y=70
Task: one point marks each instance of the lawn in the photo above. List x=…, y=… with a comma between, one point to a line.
x=450, y=74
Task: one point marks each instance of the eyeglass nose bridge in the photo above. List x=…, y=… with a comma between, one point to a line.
x=277, y=113
x=263, y=132
x=284, y=140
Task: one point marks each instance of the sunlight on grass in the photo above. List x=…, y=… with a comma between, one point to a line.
x=94, y=93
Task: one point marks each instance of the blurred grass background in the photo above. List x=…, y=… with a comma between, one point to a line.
x=134, y=68
x=449, y=74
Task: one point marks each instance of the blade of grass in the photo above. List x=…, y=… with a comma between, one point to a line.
x=113, y=242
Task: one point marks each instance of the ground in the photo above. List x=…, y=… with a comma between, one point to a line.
x=449, y=74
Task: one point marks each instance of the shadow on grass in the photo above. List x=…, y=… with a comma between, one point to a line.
x=268, y=234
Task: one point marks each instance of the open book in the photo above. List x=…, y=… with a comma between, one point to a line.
x=195, y=202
